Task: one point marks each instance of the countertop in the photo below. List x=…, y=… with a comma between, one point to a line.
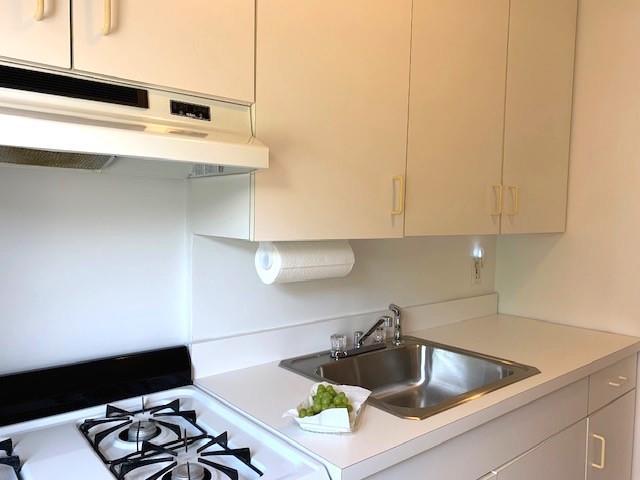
x=563, y=354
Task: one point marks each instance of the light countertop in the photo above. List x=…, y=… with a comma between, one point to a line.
x=563, y=355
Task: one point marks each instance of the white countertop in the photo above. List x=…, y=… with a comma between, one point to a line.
x=563, y=355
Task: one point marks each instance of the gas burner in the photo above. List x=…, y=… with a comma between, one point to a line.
x=8, y=458
x=188, y=471
x=121, y=432
x=143, y=430
x=186, y=459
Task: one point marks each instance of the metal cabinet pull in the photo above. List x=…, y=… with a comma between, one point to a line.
x=39, y=13
x=620, y=381
x=399, y=198
x=603, y=450
x=497, y=207
x=515, y=198
x=106, y=26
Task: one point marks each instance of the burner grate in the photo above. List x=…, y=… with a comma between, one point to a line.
x=170, y=459
x=128, y=424
x=9, y=458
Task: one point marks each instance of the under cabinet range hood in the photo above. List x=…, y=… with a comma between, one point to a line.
x=55, y=120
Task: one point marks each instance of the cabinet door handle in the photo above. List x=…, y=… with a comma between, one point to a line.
x=398, y=207
x=497, y=207
x=106, y=25
x=618, y=382
x=603, y=450
x=515, y=199
x=39, y=14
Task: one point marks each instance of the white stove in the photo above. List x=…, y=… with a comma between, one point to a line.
x=178, y=434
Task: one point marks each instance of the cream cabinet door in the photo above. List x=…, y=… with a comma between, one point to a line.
x=204, y=46
x=561, y=457
x=37, y=31
x=458, y=64
x=332, y=81
x=540, y=68
x=610, y=440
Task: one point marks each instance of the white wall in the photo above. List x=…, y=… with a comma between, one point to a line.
x=590, y=275
x=90, y=265
x=228, y=297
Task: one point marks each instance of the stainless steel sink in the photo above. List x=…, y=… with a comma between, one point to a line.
x=416, y=379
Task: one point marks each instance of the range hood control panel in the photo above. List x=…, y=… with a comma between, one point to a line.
x=191, y=110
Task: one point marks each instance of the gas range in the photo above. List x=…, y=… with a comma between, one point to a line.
x=176, y=434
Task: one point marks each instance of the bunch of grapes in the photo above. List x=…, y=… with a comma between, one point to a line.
x=325, y=397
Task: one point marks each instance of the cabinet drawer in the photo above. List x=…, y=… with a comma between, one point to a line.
x=611, y=383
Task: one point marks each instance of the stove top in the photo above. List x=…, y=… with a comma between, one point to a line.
x=163, y=442
x=75, y=422
x=179, y=434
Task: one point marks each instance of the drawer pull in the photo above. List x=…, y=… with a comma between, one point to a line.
x=603, y=449
x=621, y=380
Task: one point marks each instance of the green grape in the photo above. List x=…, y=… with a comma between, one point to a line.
x=302, y=412
x=331, y=390
x=317, y=409
x=349, y=407
x=321, y=389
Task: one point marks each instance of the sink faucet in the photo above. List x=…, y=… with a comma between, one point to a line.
x=397, y=329
x=385, y=319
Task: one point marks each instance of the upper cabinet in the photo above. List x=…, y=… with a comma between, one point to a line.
x=36, y=31
x=542, y=37
x=456, y=116
x=204, y=46
x=486, y=124
x=332, y=81
x=490, y=116
x=332, y=85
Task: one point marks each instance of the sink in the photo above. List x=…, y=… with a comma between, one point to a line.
x=416, y=379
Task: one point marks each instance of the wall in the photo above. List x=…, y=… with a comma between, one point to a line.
x=90, y=265
x=589, y=276
x=229, y=299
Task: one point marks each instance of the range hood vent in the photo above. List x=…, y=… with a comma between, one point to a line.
x=46, y=158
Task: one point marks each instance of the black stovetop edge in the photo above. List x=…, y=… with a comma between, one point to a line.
x=50, y=391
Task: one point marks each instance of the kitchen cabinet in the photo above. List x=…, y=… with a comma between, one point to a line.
x=332, y=81
x=557, y=437
x=456, y=116
x=36, y=31
x=538, y=115
x=483, y=149
x=610, y=442
x=204, y=46
x=489, y=153
x=561, y=457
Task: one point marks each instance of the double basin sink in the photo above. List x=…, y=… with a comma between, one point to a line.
x=415, y=379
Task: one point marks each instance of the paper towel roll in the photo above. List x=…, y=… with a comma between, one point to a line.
x=285, y=262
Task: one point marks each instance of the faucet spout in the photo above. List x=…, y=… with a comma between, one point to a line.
x=397, y=328
x=380, y=322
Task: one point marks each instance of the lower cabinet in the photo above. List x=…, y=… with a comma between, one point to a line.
x=559, y=458
x=610, y=442
x=582, y=431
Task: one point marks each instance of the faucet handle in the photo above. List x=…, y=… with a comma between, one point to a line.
x=338, y=345
x=357, y=336
x=395, y=309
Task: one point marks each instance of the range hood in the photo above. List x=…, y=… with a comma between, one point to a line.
x=53, y=120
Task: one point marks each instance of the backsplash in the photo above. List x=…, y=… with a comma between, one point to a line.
x=229, y=299
x=97, y=264
x=91, y=265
